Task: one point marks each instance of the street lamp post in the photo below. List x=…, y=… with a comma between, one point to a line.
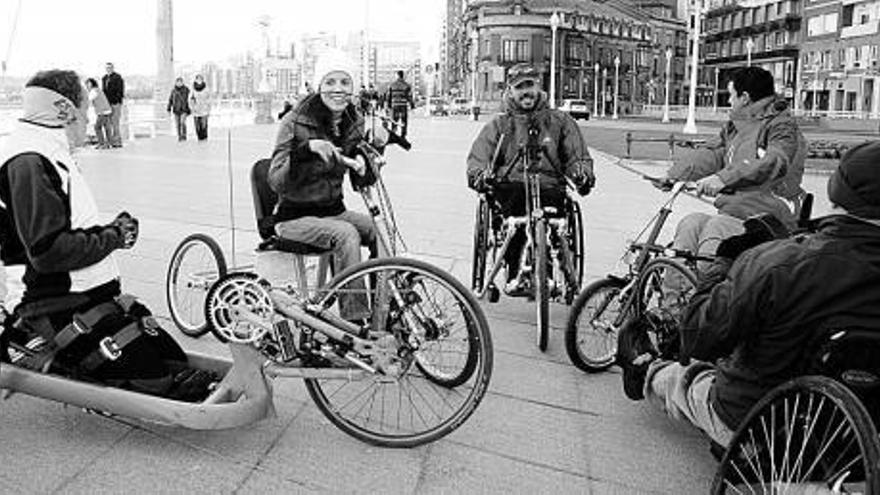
x=554, y=24
x=715, y=94
x=690, y=127
x=616, y=84
x=666, y=93
x=475, y=38
x=596, y=90
x=604, y=89
x=750, y=45
x=816, y=91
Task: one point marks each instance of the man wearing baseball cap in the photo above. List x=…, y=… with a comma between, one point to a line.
x=759, y=315
x=496, y=162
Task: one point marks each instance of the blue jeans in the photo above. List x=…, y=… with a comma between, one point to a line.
x=102, y=129
x=113, y=135
x=180, y=120
x=343, y=234
x=683, y=393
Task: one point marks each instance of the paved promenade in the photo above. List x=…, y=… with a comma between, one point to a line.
x=544, y=426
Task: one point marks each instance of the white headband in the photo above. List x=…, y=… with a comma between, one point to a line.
x=46, y=107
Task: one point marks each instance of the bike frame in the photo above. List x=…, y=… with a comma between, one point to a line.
x=534, y=213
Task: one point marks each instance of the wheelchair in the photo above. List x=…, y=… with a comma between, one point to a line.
x=553, y=255
x=816, y=433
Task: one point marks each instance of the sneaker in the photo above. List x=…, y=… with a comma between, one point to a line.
x=634, y=353
x=517, y=287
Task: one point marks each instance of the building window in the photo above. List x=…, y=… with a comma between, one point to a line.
x=515, y=51
x=847, y=19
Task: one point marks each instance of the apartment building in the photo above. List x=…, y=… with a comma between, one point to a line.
x=839, y=57
x=765, y=33
x=599, y=46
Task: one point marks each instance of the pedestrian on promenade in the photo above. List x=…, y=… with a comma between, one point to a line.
x=200, y=104
x=178, y=104
x=754, y=166
x=400, y=100
x=114, y=88
x=103, y=113
x=757, y=312
x=564, y=155
x=314, y=150
x=49, y=223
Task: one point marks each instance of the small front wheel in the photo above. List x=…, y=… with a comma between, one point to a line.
x=591, y=332
x=431, y=351
x=196, y=264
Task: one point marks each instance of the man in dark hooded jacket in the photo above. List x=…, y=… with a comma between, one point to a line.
x=758, y=316
x=496, y=160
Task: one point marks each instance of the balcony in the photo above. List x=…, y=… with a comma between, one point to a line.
x=860, y=30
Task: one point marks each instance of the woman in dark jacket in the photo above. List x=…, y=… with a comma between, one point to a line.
x=315, y=148
x=178, y=104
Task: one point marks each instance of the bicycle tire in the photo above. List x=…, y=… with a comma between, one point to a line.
x=480, y=244
x=455, y=404
x=604, y=292
x=748, y=455
x=185, y=317
x=539, y=282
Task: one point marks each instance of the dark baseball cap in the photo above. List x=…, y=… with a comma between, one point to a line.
x=520, y=72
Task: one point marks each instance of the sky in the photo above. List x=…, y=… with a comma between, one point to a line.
x=84, y=34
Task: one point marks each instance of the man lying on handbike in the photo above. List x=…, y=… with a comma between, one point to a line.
x=760, y=307
x=72, y=318
x=496, y=164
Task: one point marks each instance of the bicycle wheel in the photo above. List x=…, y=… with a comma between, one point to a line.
x=665, y=287
x=590, y=333
x=576, y=238
x=432, y=354
x=481, y=244
x=197, y=263
x=809, y=435
x=539, y=282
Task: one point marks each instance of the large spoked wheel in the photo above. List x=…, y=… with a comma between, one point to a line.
x=810, y=435
x=590, y=333
x=576, y=240
x=665, y=287
x=433, y=354
x=539, y=282
x=195, y=265
x=481, y=244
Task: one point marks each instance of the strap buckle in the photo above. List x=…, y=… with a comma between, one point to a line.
x=150, y=326
x=109, y=349
x=79, y=326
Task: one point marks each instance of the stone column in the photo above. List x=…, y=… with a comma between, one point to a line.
x=164, y=61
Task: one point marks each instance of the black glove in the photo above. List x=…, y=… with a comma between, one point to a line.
x=663, y=183
x=480, y=181
x=759, y=229
x=128, y=228
x=585, y=184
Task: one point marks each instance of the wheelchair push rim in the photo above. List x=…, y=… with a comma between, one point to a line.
x=809, y=435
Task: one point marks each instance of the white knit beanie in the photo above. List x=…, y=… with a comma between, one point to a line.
x=331, y=60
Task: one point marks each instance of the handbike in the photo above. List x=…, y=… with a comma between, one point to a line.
x=605, y=305
x=410, y=368
x=552, y=258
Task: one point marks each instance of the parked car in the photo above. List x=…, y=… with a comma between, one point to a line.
x=461, y=106
x=576, y=108
x=438, y=106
